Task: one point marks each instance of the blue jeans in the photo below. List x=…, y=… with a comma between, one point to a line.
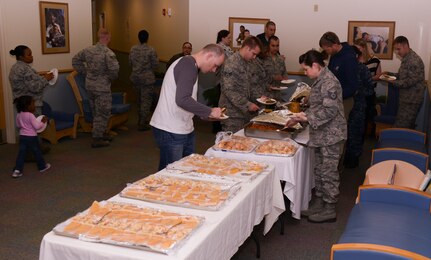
x=29, y=143
x=173, y=146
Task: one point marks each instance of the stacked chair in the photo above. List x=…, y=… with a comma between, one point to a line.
x=392, y=215
x=402, y=138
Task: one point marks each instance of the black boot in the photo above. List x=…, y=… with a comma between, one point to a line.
x=99, y=142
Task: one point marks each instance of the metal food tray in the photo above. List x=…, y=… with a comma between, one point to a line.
x=290, y=141
x=192, y=171
x=59, y=230
x=269, y=134
x=229, y=186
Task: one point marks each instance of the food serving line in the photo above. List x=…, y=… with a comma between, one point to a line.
x=200, y=207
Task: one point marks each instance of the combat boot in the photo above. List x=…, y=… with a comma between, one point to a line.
x=315, y=206
x=328, y=214
x=108, y=137
x=99, y=142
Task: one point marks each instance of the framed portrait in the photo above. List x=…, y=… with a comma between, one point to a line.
x=379, y=35
x=54, y=27
x=237, y=27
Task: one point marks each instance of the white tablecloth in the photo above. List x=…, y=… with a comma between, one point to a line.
x=218, y=238
x=297, y=171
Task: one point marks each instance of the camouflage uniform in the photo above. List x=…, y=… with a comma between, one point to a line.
x=144, y=61
x=328, y=129
x=357, y=116
x=26, y=82
x=411, y=83
x=100, y=66
x=237, y=92
x=275, y=66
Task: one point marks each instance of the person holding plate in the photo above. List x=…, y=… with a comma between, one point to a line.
x=28, y=128
x=25, y=80
x=410, y=80
x=274, y=63
x=238, y=92
x=172, y=120
x=328, y=131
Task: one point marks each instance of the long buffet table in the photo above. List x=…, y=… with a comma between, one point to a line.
x=296, y=171
x=219, y=237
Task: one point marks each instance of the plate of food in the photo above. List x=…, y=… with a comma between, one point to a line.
x=39, y=118
x=288, y=81
x=54, y=79
x=387, y=77
x=266, y=101
x=278, y=87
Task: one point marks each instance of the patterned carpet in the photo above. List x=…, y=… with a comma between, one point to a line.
x=33, y=204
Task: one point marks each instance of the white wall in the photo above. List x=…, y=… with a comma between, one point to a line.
x=20, y=24
x=300, y=28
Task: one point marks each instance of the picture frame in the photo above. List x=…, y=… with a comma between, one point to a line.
x=254, y=25
x=54, y=27
x=380, y=35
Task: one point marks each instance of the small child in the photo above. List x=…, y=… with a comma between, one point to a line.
x=28, y=140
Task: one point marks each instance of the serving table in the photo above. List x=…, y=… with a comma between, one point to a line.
x=296, y=171
x=219, y=237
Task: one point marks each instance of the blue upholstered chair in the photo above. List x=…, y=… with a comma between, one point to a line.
x=402, y=138
x=418, y=159
x=119, y=112
x=60, y=124
x=386, y=112
x=388, y=222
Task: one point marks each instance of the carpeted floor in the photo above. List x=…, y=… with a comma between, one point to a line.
x=33, y=204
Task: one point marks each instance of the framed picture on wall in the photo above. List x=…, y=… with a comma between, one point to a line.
x=54, y=27
x=238, y=25
x=379, y=35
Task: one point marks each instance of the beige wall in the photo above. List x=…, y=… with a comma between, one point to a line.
x=300, y=28
x=20, y=24
x=126, y=18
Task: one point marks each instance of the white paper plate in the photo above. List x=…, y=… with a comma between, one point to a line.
x=39, y=118
x=223, y=117
x=268, y=101
x=279, y=88
x=387, y=77
x=54, y=79
x=288, y=81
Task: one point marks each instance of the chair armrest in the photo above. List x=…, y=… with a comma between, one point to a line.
x=63, y=116
x=395, y=195
x=118, y=98
x=370, y=251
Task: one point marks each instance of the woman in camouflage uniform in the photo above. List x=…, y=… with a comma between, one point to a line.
x=25, y=80
x=328, y=130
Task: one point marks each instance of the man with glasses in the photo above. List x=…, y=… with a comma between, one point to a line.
x=187, y=50
x=172, y=120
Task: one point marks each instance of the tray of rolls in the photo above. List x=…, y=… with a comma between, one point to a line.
x=209, y=167
x=183, y=192
x=127, y=225
x=234, y=143
x=285, y=147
